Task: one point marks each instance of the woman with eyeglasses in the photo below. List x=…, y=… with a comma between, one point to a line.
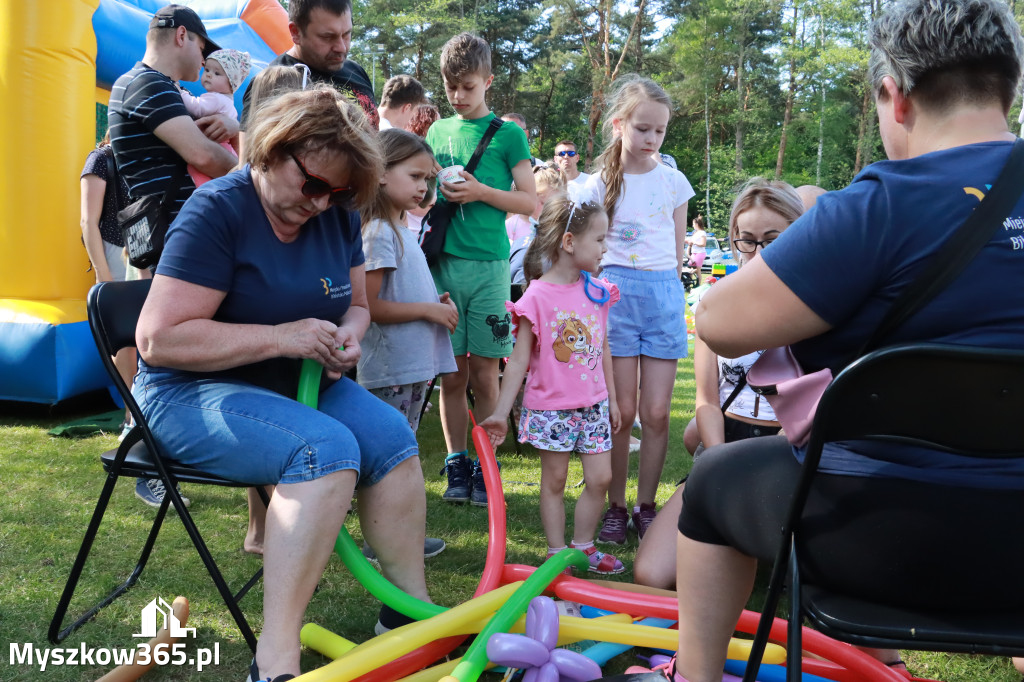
x=726, y=409
x=264, y=268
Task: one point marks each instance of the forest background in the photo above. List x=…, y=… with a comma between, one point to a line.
x=775, y=88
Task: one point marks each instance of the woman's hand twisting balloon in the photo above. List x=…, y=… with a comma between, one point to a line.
x=346, y=353
x=308, y=338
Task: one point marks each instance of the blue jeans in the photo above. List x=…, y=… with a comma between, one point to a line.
x=246, y=433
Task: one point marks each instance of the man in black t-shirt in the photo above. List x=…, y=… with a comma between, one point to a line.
x=322, y=33
x=151, y=133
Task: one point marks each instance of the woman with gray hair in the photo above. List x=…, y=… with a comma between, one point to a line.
x=944, y=74
x=264, y=268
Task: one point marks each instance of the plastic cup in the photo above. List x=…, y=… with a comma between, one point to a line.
x=451, y=174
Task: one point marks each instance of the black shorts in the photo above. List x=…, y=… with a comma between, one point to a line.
x=889, y=540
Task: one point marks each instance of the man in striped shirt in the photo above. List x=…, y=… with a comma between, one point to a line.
x=151, y=132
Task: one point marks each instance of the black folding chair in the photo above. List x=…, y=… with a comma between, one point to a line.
x=899, y=395
x=114, y=309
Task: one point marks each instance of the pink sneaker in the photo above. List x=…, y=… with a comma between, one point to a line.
x=613, y=526
x=642, y=519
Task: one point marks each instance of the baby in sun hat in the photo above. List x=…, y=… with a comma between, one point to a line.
x=223, y=73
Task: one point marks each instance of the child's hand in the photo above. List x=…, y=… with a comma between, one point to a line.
x=614, y=416
x=463, y=192
x=447, y=314
x=496, y=429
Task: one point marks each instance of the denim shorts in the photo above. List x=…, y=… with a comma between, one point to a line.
x=250, y=434
x=586, y=430
x=650, y=317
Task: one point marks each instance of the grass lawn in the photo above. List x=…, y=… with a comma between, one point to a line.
x=50, y=487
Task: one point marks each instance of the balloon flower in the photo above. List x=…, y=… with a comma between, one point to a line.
x=536, y=652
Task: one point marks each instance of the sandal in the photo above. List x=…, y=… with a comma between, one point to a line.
x=254, y=675
x=602, y=563
x=895, y=665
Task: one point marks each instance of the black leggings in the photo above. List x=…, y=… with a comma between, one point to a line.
x=893, y=541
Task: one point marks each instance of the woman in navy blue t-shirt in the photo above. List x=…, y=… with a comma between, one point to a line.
x=263, y=268
x=944, y=75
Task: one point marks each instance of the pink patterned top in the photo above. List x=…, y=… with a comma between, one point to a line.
x=566, y=370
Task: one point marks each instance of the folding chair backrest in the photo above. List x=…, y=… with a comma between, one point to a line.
x=954, y=398
x=114, y=309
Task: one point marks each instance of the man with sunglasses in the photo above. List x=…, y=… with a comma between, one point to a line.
x=566, y=160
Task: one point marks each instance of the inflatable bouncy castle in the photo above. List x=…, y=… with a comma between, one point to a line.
x=57, y=60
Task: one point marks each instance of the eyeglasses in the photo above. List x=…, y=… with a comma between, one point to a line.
x=566, y=152
x=750, y=245
x=315, y=187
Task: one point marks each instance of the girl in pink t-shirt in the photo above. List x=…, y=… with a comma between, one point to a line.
x=569, y=399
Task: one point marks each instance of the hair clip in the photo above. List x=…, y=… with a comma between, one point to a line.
x=572, y=212
x=305, y=73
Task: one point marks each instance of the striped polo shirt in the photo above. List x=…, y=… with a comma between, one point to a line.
x=141, y=100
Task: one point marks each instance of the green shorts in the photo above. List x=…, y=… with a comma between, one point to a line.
x=479, y=289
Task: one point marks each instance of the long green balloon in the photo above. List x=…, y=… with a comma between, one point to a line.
x=362, y=570
x=309, y=383
x=475, y=659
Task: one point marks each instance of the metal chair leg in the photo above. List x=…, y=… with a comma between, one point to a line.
x=56, y=634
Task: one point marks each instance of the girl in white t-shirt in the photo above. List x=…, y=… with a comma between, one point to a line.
x=646, y=203
x=726, y=409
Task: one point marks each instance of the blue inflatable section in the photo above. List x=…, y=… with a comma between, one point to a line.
x=45, y=362
x=121, y=26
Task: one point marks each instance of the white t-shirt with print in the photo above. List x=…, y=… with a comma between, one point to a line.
x=642, y=234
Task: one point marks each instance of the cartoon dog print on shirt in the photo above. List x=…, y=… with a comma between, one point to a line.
x=574, y=339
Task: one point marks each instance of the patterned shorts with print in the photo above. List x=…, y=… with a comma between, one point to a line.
x=586, y=430
x=407, y=399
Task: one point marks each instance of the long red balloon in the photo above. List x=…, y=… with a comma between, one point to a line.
x=490, y=579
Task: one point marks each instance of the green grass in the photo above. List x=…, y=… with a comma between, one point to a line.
x=50, y=486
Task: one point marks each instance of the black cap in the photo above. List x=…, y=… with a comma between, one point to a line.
x=173, y=16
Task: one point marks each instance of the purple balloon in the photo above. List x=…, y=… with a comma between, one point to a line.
x=575, y=666
x=542, y=621
x=516, y=651
x=546, y=673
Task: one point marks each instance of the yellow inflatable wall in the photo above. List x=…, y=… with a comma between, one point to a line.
x=47, y=96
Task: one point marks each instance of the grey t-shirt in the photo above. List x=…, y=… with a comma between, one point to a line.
x=404, y=353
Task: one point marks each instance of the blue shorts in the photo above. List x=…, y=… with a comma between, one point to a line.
x=586, y=430
x=650, y=317
x=246, y=433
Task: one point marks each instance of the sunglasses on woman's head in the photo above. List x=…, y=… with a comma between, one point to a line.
x=567, y=152
x=315, y=187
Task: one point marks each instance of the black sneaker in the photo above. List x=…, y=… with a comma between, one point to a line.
x=478, y=497
x=431, y=548
x=459, y=470
x=389, y=619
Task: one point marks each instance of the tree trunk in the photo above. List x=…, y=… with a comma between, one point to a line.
x=544, y=114
x=740, y=122
x=790, y=95
x=865, y=108
x=601, y=61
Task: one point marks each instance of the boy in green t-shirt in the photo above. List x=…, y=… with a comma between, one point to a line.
x=474, y=266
